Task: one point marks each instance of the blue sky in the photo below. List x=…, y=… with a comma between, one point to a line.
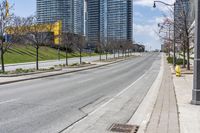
x=24, y=7
x=146, y=19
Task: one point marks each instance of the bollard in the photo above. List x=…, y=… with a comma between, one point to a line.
x=178, y=70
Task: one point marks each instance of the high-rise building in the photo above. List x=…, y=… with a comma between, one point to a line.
x=78, y=16
x=93, y=20
x=130, y=19
x=110, y=19
x=70, y=12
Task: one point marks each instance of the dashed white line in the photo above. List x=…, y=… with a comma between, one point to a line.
x=8, y=101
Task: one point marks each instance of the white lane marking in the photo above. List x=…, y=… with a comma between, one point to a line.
x=103, y=105
x=119, y=94
x=9, y=101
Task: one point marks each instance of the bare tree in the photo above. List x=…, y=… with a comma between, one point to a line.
x=108, y=46
x=183, y=27
x=80, y=43
x=67, y=40
x=113, y=46
x=118, y=46
x=99, y=48
x=37, y=35
x=165, y=33
x=123, y=46
x=5, y=21
x=130, y=47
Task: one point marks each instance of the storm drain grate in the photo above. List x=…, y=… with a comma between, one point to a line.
x=124, y=128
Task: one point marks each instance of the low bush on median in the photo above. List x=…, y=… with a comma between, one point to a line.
x=178, y=61
x=24, y=71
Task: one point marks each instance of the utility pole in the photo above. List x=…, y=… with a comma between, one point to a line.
x=196, y=85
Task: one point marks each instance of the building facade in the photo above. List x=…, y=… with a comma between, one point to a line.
x=78, y=16
x=70, y=12
x=93, y=20
x=110, y=19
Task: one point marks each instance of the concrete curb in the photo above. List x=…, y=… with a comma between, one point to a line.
x=61, y=73
x=143, y=113
x=30, y=73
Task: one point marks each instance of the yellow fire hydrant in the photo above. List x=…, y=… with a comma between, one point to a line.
x=178, y=70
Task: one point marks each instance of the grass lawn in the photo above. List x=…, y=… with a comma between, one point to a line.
x=21, y=54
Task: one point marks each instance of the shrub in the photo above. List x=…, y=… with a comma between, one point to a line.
x=84, y=63
x=19, y=70
x=74, y=64
x=178, y=61
x=1, y=72
x=51, y=68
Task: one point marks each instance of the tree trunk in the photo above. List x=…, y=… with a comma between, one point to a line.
x=80, y=56
x=118, y=53
x=184, y=56
x=128, y=52
x=106, y=55
x=2, y=58
x=37, y=57
x=188, y=56
x=114, y=54
x=66, y=55
x=59, y=53
x=100, y=55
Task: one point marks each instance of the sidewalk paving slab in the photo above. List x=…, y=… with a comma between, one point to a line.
x=189, y=115
x=164, y=118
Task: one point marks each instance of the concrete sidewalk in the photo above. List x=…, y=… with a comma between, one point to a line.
x=158, y=111
x=167, y=107
x=189, y=115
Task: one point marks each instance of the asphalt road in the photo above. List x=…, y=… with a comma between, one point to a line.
x=52, y=104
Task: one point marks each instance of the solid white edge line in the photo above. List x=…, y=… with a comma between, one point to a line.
x=103, y=105
x=143, y=114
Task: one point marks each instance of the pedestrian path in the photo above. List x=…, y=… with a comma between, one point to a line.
x=164, y=118
x=189, y=115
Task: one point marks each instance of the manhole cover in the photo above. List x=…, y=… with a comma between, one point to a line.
x=124, y=128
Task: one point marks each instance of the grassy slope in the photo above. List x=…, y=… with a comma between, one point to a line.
x=21, y=54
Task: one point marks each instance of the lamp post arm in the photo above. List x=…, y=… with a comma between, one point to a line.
x=157, y=1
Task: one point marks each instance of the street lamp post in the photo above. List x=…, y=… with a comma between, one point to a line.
x=174, y=43
x=196, y=85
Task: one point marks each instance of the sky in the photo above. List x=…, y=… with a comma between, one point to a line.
x=146, y=19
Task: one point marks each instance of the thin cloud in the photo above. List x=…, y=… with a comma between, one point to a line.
x=149, y=3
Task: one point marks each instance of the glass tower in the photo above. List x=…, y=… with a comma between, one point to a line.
x=110, y=19
x=70, y=12
x=93, y=20
x=78, y=16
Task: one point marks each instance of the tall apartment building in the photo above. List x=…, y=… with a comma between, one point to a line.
x=70, y=12
x=110, y=19
x=93, y=20
x=78, y=16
